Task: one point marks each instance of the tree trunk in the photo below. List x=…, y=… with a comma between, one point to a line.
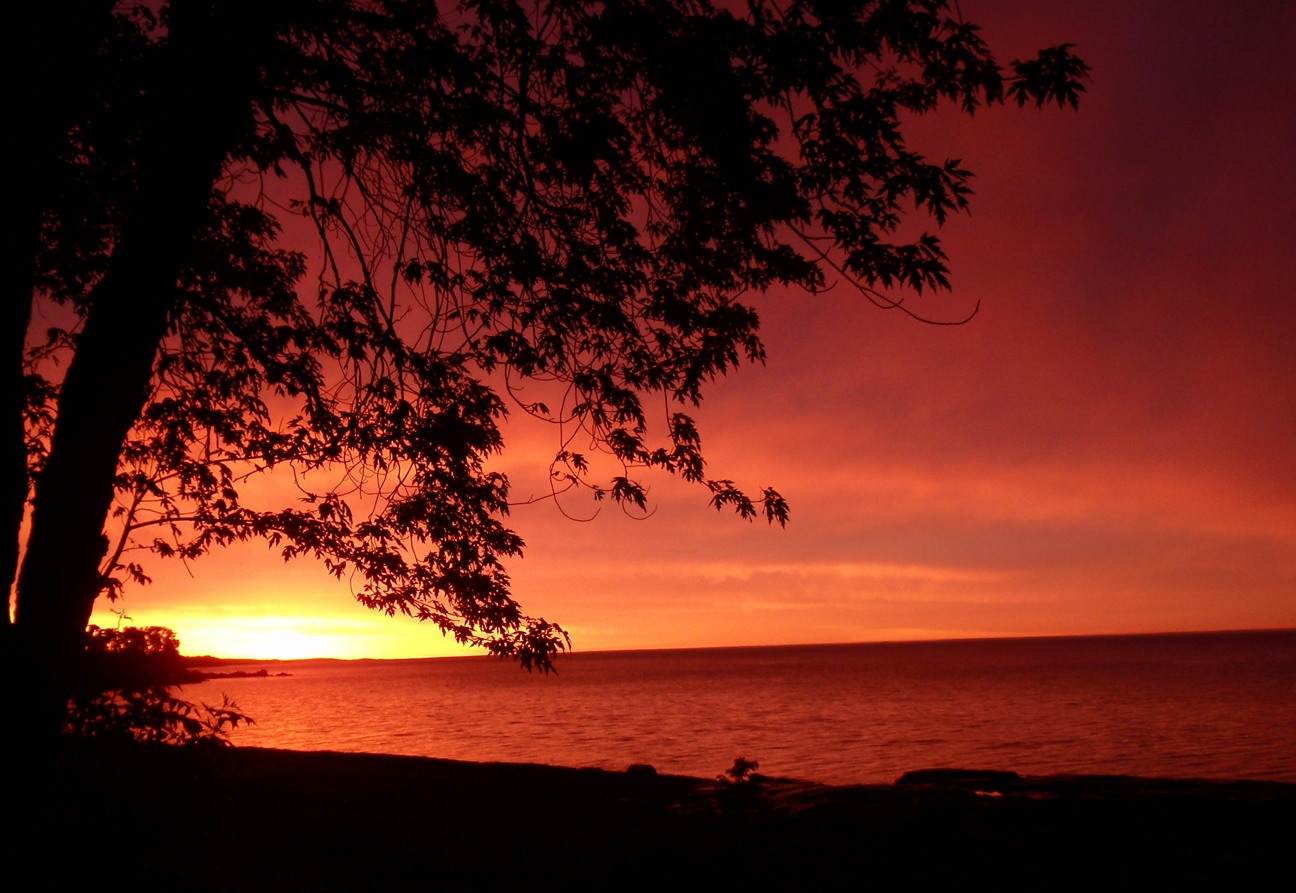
x=49, y=51
x=200, y=108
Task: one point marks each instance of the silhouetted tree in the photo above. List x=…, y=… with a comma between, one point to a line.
x=564, y=192
x=133, y=657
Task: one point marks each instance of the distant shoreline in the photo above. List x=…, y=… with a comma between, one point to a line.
x=207, y=660
x=262, y=673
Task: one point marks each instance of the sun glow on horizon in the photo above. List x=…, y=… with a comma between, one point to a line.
x=281, y=636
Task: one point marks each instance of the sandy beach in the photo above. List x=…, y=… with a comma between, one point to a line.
x=274, y=819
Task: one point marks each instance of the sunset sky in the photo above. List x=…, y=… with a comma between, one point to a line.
x=1108, y=447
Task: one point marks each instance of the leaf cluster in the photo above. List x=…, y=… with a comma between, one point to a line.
x=152, y=715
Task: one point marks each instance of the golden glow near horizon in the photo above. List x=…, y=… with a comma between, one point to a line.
x=301, y=637
x=291, y=636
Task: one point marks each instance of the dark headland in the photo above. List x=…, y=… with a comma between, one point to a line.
x=152, y=817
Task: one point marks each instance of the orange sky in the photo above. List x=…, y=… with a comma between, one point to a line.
x=1110, y=446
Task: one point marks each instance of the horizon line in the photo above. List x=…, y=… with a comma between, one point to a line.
x=951, y=640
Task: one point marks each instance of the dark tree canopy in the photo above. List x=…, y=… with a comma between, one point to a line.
x=569, y=193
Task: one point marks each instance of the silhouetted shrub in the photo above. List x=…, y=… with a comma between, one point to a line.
x=741, y=771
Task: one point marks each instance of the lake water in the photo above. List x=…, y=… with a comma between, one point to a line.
x=1218, y=705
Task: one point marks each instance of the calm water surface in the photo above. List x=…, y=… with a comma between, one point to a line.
x=1219, y=705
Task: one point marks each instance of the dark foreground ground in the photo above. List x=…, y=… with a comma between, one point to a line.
x=150, y=818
